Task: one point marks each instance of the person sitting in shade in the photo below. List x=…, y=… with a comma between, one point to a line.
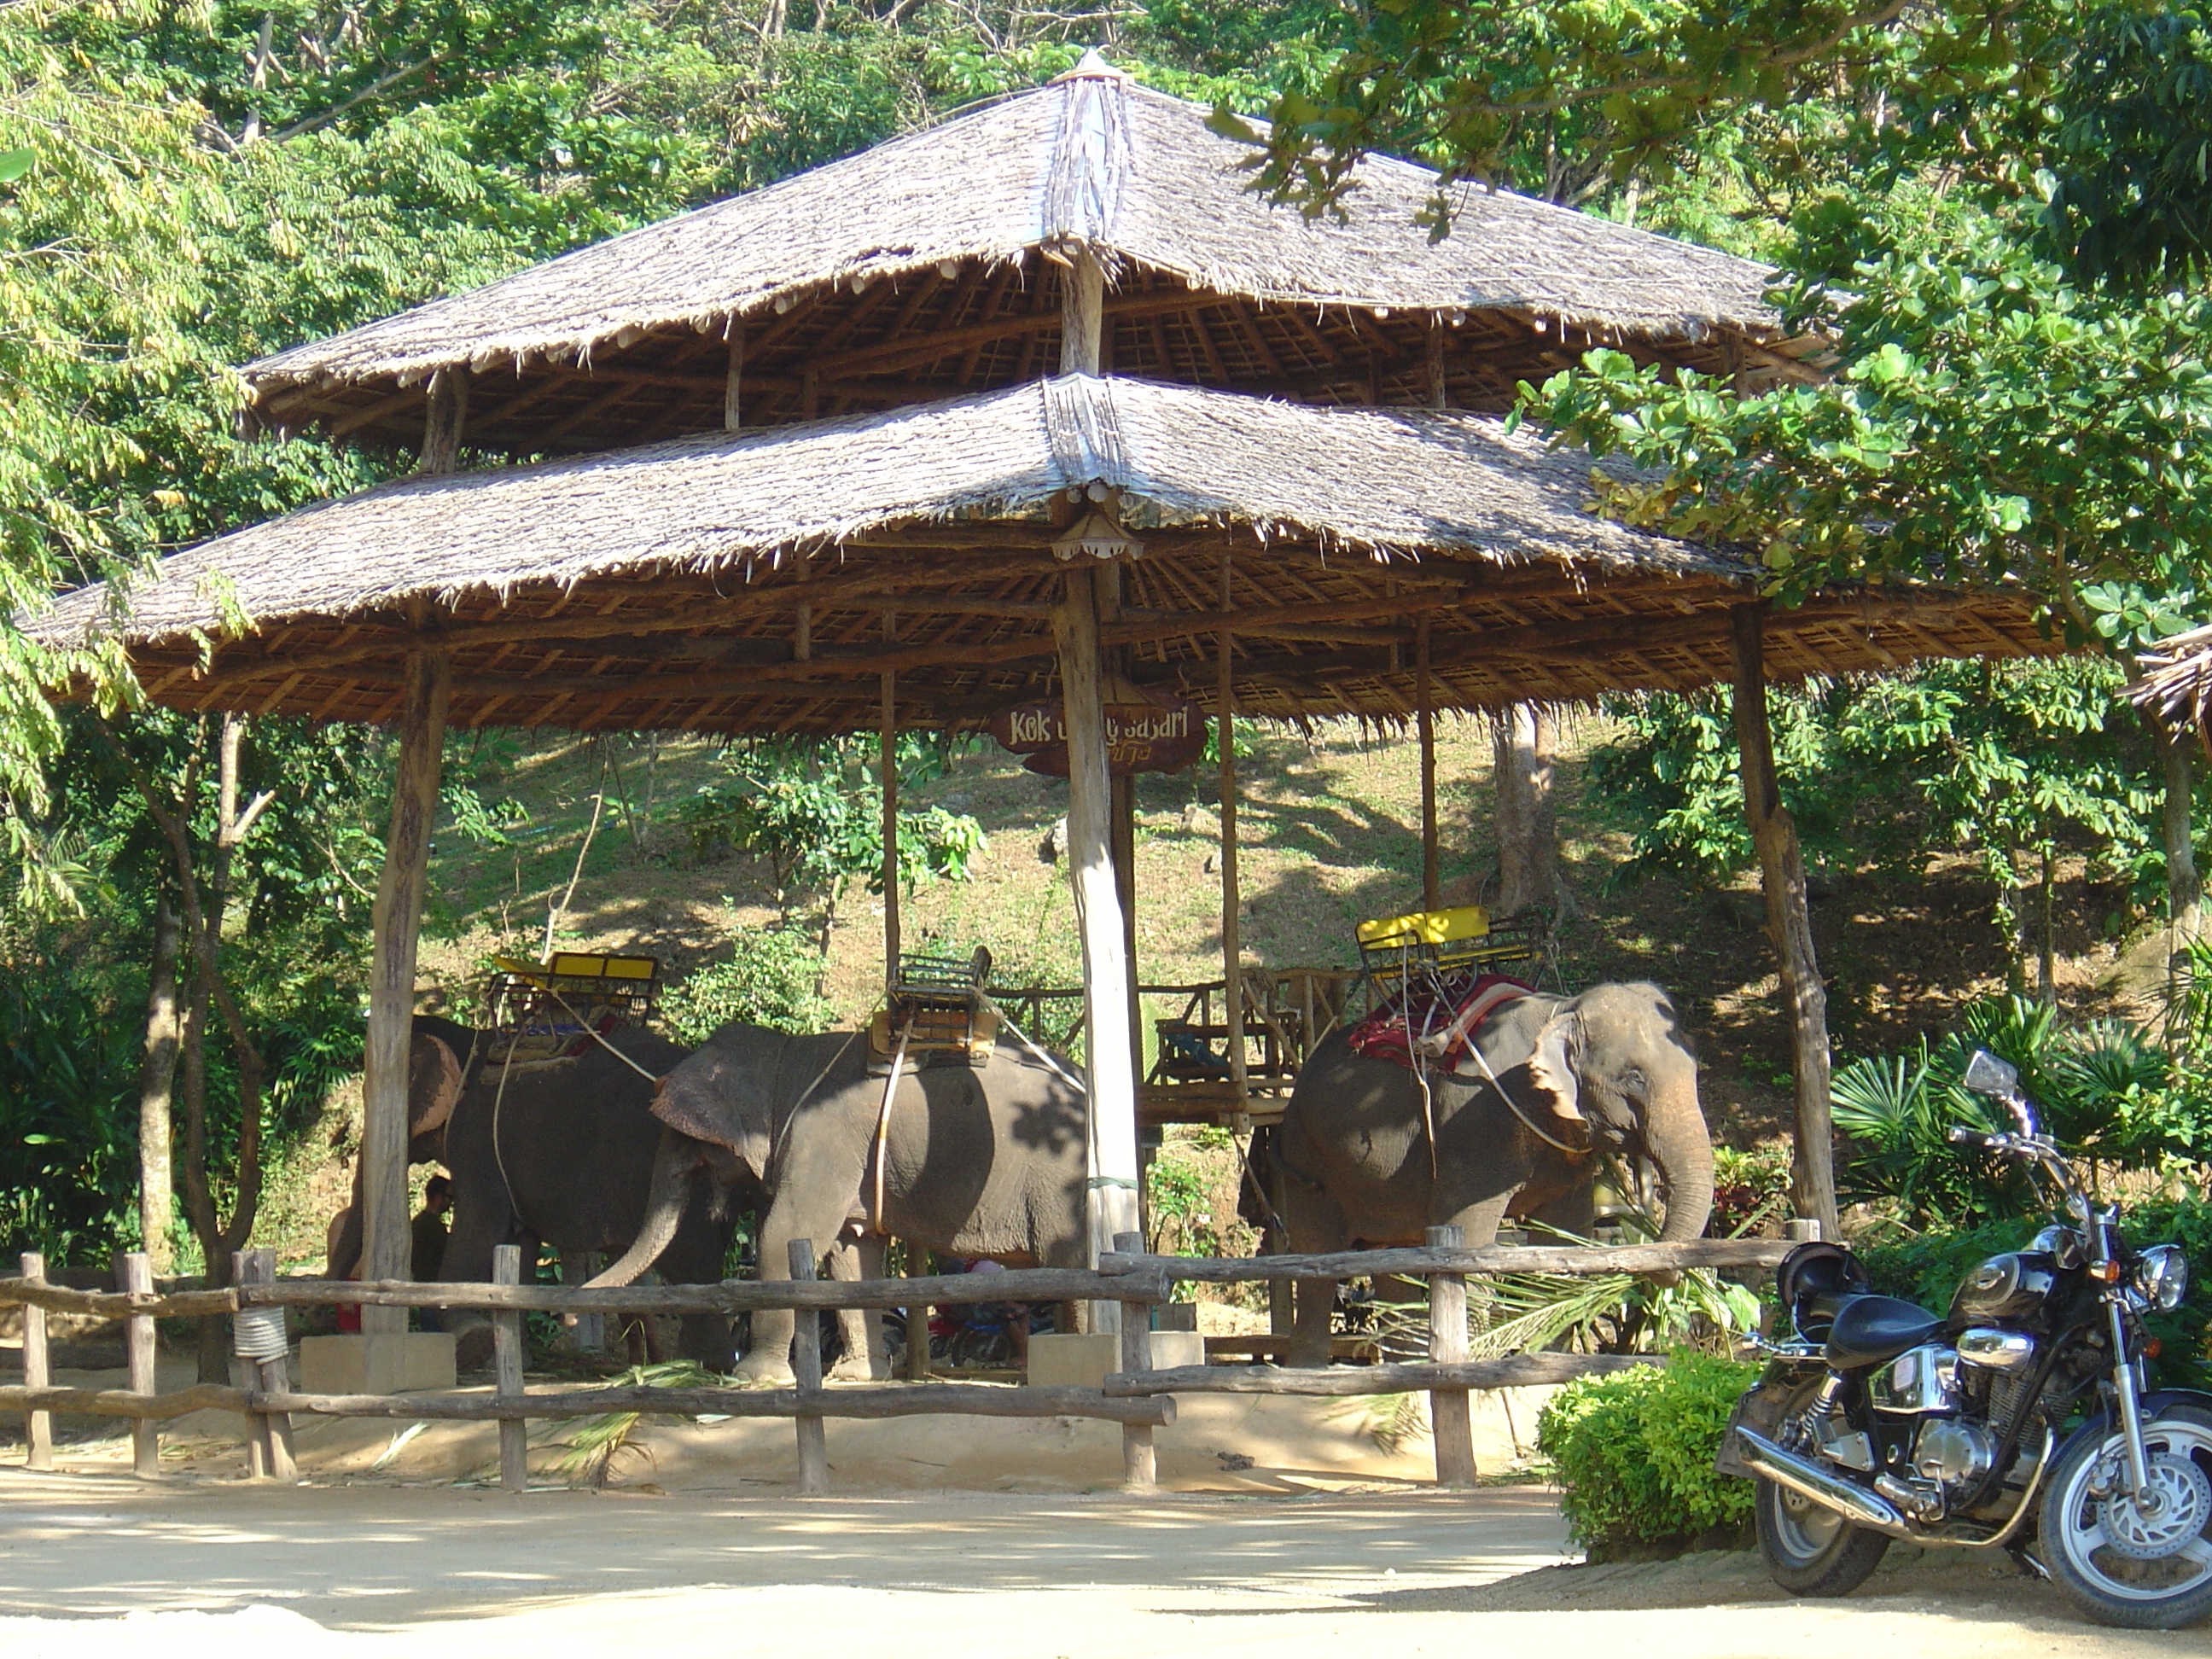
x=429, y=1253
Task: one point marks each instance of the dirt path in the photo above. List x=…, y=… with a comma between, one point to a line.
x=94, y=1566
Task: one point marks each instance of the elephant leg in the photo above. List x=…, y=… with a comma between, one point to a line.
x=479, y=1228
x=1573, y=1212
x=586, y=1333
x=862, y=1332
x=1318, y=1228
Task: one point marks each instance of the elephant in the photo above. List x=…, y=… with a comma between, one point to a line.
x=1568, y=1079
x=562, y=1155
x=978, y=1161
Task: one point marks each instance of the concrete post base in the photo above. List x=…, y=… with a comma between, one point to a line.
x=1082, y=1361
x=398, y=1362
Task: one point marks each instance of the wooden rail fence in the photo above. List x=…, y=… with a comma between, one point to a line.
x=1138, y=1397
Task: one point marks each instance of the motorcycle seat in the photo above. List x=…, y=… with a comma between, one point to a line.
x=1869, y=1329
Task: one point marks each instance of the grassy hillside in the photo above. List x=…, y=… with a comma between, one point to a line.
x=1329, y=835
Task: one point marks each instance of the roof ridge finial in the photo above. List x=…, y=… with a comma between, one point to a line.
x=1094, y=67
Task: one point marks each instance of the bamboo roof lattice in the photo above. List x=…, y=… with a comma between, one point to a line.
x=933, y=265
x=661, y=587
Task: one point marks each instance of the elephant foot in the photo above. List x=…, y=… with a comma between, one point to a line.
x=764, y=1373
x=849, y=1370
x=473, y=1349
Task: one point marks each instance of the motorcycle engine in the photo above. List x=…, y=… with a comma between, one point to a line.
x=1954, y=1453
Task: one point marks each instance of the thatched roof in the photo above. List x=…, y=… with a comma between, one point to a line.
x=664, y=587
x=927, y=266
x=2178, y=689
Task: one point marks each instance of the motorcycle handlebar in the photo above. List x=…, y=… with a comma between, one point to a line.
x=1961, y=1135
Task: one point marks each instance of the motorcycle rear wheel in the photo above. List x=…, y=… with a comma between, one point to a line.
x=2158, y=1575
x=1811, y=1551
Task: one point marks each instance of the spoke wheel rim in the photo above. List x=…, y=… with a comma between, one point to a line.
x=2088, y=1524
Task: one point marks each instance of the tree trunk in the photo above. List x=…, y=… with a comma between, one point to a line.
x=1789, y=924
x=157, y=1074
x=1521, y=742
x=2184, y=889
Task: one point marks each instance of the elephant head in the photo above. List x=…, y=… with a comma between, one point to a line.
x=442, y=1057
x=1613, y=1066
x=723, y=1109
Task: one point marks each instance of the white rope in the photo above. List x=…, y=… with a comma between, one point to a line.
x=1514, y=1106
x=1022, y=1037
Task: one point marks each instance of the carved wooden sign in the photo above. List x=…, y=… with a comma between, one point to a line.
x=1145, y=732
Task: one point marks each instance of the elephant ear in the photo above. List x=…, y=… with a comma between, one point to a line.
x=1551, y=1072
x=726, y=1094
x=433, y=1085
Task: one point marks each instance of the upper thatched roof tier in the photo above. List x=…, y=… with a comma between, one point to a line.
x=748, y=582
x=927, y=266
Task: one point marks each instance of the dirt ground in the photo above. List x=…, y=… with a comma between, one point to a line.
x=1322, y=1543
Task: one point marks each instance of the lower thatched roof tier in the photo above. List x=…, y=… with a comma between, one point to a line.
x=767, y=580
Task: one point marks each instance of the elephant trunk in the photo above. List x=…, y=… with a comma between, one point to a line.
x=1680, y=1146
x=664, y=1210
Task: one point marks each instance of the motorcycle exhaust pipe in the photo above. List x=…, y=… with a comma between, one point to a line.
x=1854, y=1504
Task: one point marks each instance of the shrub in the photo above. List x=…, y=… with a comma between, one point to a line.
x=769, y=981
x=1634, y=1454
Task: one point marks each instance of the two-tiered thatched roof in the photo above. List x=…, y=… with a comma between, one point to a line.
x=910, y=300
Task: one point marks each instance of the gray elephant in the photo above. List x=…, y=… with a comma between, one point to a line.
x=1608, y=1071
x=977, y=1161
x=563, y=1155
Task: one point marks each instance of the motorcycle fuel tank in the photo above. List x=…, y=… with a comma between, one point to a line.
x=2009, y=1286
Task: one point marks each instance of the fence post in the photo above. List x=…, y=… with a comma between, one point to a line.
x=806, y=1365
x=1804, y=1230
x=259, y=1342
x=38, y=1426
x=1139, y=1459
x=507, y=1362
x=133, y=1272
x=1451, y=1427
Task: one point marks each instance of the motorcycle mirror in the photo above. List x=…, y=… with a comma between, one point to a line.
x=1988, y=1075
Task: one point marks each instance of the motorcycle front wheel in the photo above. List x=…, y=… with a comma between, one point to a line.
x=1811, y=1551
x=2144, y=1567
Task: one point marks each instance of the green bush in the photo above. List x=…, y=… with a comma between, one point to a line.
x=1634, y=1455
x=769, y=981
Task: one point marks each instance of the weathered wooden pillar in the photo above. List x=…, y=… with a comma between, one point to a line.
x=1139, y=1458
x=1109, y=1020
x=37, y=1373
x=1232, y=898
x=887, y=772
x=1425, y=718
x=1450, y=1426
x=446, y=418
x=805, y=1263
x=397, y=920
x=133, y=1272
x=733, y=380
x=1788, y=923
x=507, y=1364
x=1082, y=315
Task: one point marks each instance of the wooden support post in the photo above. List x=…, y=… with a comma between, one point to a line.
x=1232, y=898
x=734, y=384
x=133, y=1272
x=269, y=1447
x=507, y=1375
x=385, y=1240
x=1439, y=395
x=1450, y=1426
x=37, y=1371
x=1789, y=924
x=444, y=420
x=1082, y=315
x=806, y=1368
x=1108, y=1019
x=1139, y=1458
x=887, y=764
x=1425, y=718
x=917, y=1315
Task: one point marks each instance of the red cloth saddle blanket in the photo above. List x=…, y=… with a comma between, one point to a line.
x=1437, y=1022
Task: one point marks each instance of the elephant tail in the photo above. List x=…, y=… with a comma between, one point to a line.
x=664, y=1210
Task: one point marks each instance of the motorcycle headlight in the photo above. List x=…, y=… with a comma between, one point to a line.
x=2161, y=1276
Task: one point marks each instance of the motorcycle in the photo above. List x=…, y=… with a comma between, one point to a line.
x=1876, y=1420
